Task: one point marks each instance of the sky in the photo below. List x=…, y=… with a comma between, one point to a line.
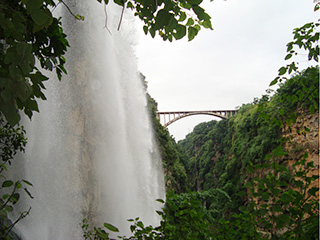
x=221, y=69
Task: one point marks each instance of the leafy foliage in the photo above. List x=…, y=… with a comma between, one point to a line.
x=12, y=140
x=97, y=233
x=306, y=38
x=171, y=19
x=28, y=32
x=286, y=209
x=183, y=217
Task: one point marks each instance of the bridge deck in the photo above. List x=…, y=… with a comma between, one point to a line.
x=172, y=116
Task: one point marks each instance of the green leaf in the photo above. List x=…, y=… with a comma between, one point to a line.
x=9, y=58
x=275, y=81
x=140, y=224
x=312, y=109
x=145, y=29
x=190, y=22
x=111, y=227
x=312, y=191
x=284, y=218
x=207, y=24
x=268, y=157
x=10, y=112
x=119, y=2
x=15, y=198
x=32, y=105
x=159, y=200
x=182, y=17
x=18, y=184
x=194, y=2
x=130, y=5
x=200, y=13
x=14, y=71
x=275, y=191
x=294, y=98
x=181, y=31
x=23, y=91
x=249, y=169
x=3, y=213
x=7, y=183
x=298, y=183
x=282, y=71
x=243, y=209
x=288, y=56
x=160, y=213
x=242, y=193
x=278, y=152
x=290, y=46
x=133, y=228
x=281, y=111
x=265, y=196
x=42, y=17
x=79, y=17
x=305, y=155
x=152, y=32
x=162, y=19
x=285, y=197
x=192, y=32
x=185, y=5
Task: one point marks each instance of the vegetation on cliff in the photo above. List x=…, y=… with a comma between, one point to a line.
x=239, y=181
x=227, y=155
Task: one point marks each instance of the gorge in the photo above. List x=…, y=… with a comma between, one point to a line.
x=96, y=153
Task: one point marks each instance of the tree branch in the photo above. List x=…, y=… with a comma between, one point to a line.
x=106, y=22
x=61, y=1
x=124, y=5
x=22, y=215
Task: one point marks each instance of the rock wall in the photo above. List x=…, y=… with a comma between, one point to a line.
x=304, y=138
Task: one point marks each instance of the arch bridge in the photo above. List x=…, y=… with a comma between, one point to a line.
x=167, y=118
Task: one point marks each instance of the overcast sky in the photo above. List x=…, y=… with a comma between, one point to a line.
x=226, y=67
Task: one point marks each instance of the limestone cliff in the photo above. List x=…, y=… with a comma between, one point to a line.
x=304, y=138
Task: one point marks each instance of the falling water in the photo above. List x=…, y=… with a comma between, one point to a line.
x=90, y=151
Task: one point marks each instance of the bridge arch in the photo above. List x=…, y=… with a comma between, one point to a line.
x=171, y=117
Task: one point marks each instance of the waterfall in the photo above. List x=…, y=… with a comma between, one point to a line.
x=90, y=151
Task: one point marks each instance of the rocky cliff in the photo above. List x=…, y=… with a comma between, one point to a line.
x=304, y=138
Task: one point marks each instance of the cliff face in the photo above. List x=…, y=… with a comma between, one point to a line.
x=304, y=138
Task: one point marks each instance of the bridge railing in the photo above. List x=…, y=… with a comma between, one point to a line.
x=172, y=116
